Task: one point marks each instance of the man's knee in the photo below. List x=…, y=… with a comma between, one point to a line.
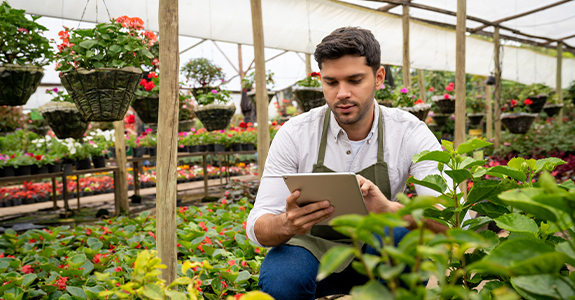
x=289, y=272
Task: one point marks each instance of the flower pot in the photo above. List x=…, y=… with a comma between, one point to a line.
x=385, y=102
x=23, y=170
x=83, y=164
x=185, y=126
x=214, y=116
x=248, y=147
x=193, y=148
x=441, y=119
x=202, y=148
x=518, y=122
x=18, y=83
x=55, y=167
x=475, y=132
x=99, y=162
x=538, y=103
x=7, y=172
x=102, y=95
x=65, y=119
x=237, y=147
x=420, y=110
x=219, y=148
x=446, y=106
x=475, y=119
x=39, y=170
x=139, y=152
x=252, y=97
x=153, y=151
x=552, y=109
x=147, y=108
x=308, y=97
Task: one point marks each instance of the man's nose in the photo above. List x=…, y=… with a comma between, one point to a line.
x=344, y=91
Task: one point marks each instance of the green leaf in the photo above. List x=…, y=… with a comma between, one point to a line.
x=92, y=241
x=471, y=145
x=373, y=290
x=509, y=171
x=147, y=53
x=522, y=199
x=76, y=292
x=461, y=236
x=548, y=164
x=476, y=223
x=175, y=295
x=243, y=276
x=515, y=222
x=459, y=175
x=88, y=44
x=387, y=272
x=447, y=145
x=438, y=156
x=568, y=185
x=28, y=278
x=351, y=220
x=490, y=209
x=96, y=246
x=333, y=259
x=566, y=248
x=78, y=259
x=153, y=291
x=557, y=287
x=115, y=49
x=550, y=262
x=434, y=182
x=469, y=162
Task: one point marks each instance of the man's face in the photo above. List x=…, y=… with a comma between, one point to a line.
x=349, y=87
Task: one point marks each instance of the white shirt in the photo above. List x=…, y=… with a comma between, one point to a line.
x=296, y=145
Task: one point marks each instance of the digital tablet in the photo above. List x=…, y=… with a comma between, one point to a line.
x=340, y=189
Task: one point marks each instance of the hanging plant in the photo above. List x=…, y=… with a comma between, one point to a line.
x=203, y=75
x=23, y=52
x=308, y=92
x=101, y=67
x=213, y=111
x=62, y=116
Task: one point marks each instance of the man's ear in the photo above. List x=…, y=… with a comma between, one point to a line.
x=379, y=77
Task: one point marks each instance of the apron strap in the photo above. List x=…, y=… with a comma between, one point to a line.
x=380, y=137
x=323, y=143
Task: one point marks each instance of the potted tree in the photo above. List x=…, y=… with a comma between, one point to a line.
x=213, y=111
x=100, y=67
x=203, y=75
x=538, y=93
x=62, y=116
x=475, y=107
x=446, y=102
x=23, y=52
x=406, y=100
x=248, y=84
x=383, y=96
x=516, y=118
x=308, y=92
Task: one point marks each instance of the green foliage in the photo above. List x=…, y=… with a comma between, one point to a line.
x=202, y=72
x=383, y=93
x=404, y=97
x=249, y=80
x=311, y=80
x=59, y=96
x=535, y=90
x=475, y=105
x=21, y=39
x=213, y=97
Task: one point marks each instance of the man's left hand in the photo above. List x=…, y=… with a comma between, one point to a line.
x=374, y=199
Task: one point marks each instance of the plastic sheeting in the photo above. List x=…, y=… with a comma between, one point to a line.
x=299, y=25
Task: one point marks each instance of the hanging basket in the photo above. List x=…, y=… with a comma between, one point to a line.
x=102, y=95
x=18, y=83
x=385, y=102
x=552, y=109
x=147, y=108
x=420, y=111
x=441, y=119
x=518, y=122
x=475, y=119
x=215, y=116
x=446, y=106
x=185, y=126
x=64, y=119
x=308, y=97
x=252, y=96
x=538, y=103
x=205, y=90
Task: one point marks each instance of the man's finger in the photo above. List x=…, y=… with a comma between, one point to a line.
x=318, y=216
x=365, y=187
x=291, y=200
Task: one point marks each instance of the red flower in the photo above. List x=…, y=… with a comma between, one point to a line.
x=431, y=89
x=203, y=225
x=315, y=74
x=527, y=102
x=250, y=124
x=61, y=284
x=224, y=284
x=143, y=82
x=274, y=123
x=446, y=96
x=419, y=101
x=513, y=102
x=27, y=269
x=238, y=296
x=152, y=74
x=23, y=30
x=88, y=231
x=449, y=88
x=243, y=125
x=64, y=34
x=232, y=262
x=118, y=269
x=131, y=119
x=152, y=234
x=244, y=264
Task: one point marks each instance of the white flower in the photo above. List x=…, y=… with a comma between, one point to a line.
x=38, y=145
x=73, y=151
x=92, y=133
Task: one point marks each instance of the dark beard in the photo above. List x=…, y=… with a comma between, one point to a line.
x=361, y=114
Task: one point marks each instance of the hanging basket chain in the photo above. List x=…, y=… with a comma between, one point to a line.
x=82, y=18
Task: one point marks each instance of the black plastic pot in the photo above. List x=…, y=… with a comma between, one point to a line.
x=215, y=117
x=102, y=95
x=83, y=164
x=308, y=97
x=182, y=149
x=237, y=147
x=248, y=147
x=55, y=167
x=18, y=83
x=65, y=119
x=99, y=162
x=112, y=152
x=193, y=148
x=538, y=103
x=39, y=170
x=147, y=108
x=202, y=148
x=7, y=172
x=139, y=152
x=518, y=122
x=153, y=151
x=23, y=170
x=219, y=148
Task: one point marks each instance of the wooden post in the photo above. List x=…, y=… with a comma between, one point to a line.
x=136, y=176
x=166, y=192
x=54, y=193
x=307, y=63
x=121, y=178
x=261, y=93
x=406, y=63
x=240, y=64
x=558, y=85
x=421, y=84
x=488, y=113
x=497, y=95
x=78, y=191
x=460, y=73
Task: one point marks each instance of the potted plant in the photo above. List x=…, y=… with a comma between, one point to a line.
x=134, y=142
x=149, y=141
x=213, y=111
x=80, y=153
x=475, y=107
x=203, y=75
x=41, y=163
x=249, y=81
x=446, y=102
x=516, y=118
x=97, y=152
x=62, y=115
x=100, y=66
x=23, y=52
x=6, y=166
x=553, y=107
x=22, y=163
x=191, y=142
x=308, y=92
x=383, y=96
x=11, y=118
x=249, y=139
x=538, y=93
x=146, y=103
x=217, y=142
x=406, y=100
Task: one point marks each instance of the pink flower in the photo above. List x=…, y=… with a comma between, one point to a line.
x=382, y=87
x=23, y=30
x=446, y=96
x=506, y=144
x=404, y=90
x=449, y=88
x=214, y=92
x=55, y=90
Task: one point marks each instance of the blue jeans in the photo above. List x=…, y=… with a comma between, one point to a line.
x=289, y=272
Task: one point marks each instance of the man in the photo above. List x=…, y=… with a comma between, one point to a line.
x=350, y=134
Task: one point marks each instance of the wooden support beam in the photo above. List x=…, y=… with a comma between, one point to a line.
x=302, y=59
x=460, y=73
x=240, y=63
x=222, y=52
x=387, y=8
x=421, y=84
x=261, y=93
x=488, y=113
x=167, y=163
x=307, y=63
x=522, y=14
x=121, y=176
x=190, y=48
x=250, y=66
x=406, y=63
x=497, y=96
x=558, y=40
x=558, y=84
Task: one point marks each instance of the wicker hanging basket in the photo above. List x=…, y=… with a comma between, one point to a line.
x=215, y=116
x=18, y=83
x=308, y=97
x=552, y=109
x=420, y=111
x=538, y=103
x=446, y=106
x=518, y=122
x=441, y=119
x=147, y=108
x=64, y=119
x=102, y=95
x=475, y=119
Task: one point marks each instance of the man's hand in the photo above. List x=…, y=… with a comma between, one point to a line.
x=374, y=199
x=299, y=220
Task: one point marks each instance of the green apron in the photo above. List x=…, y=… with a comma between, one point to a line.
x=322, y=237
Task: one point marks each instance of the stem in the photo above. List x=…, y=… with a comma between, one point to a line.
x=358, y=255
x=418, y=257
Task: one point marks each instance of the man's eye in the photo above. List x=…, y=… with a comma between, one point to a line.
x=330, y=82
x=355, y=81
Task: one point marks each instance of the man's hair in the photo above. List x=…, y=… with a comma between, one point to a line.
x=349, y=41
